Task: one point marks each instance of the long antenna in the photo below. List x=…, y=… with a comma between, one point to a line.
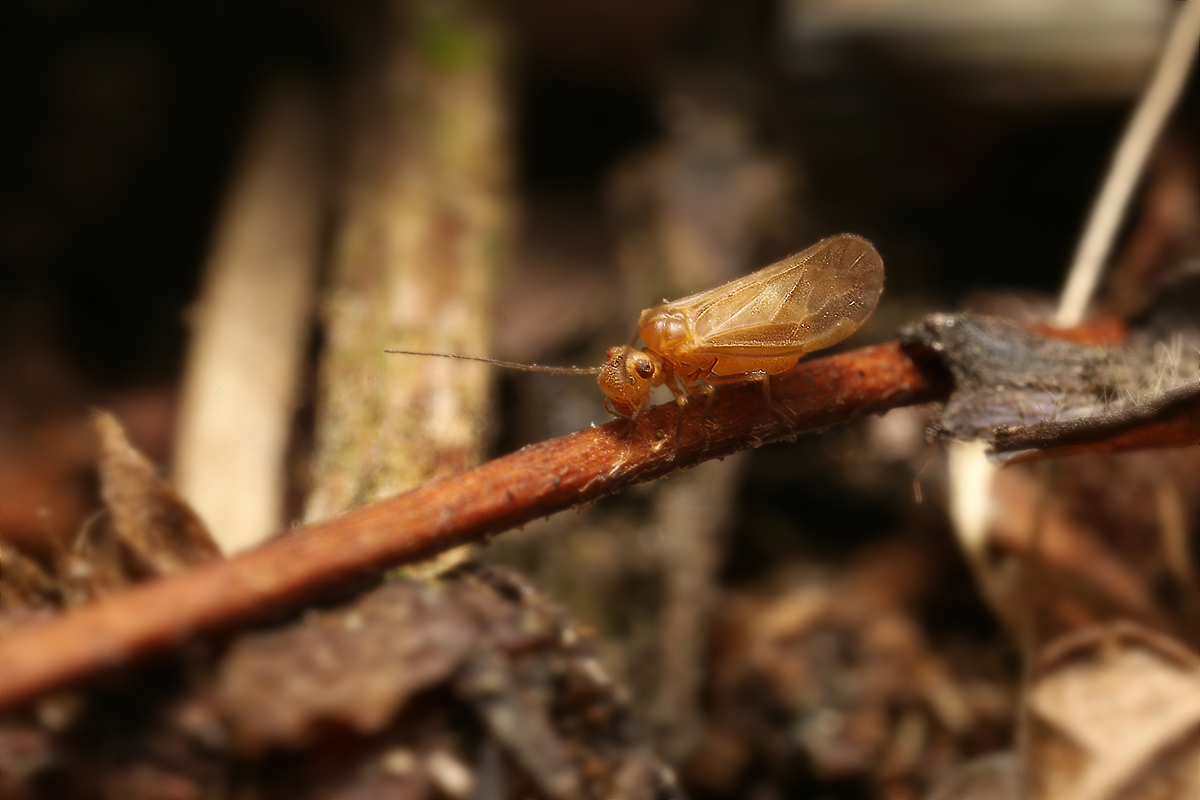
x=507, y=364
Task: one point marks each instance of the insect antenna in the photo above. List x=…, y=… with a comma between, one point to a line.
x=507, y=364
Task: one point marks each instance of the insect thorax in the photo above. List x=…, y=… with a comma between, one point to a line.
x=666, y=331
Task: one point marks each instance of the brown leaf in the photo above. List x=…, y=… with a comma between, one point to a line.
x=1090, y=536
x=489, y=686
x=158, y=530
x=1116, y=716
x=97, y=565
x=994, y=777
x=833, y=672
x=23, y=582
x=356, y=666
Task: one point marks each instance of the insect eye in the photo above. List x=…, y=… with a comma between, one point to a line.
x=645, y=369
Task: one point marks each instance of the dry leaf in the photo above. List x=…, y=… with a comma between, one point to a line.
x=1115, y=716
x=23, y=582
x=356, y=666
x=1022, y=391
x=157, y=529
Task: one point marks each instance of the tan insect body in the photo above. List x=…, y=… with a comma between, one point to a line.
x=750, y=328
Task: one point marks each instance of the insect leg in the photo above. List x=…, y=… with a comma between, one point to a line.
x=689, y=389
x=765, y=378
x=680, y=390
x=630, y=421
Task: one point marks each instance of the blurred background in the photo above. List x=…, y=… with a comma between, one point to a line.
x=519, y=179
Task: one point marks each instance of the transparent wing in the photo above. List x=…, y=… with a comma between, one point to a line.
x=802, y=303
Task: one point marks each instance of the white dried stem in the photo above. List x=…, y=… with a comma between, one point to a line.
x=251, y=326
x=1128, y=163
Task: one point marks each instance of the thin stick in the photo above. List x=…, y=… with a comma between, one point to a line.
x=506, y=364
x=1144, y=127
x=470, y=506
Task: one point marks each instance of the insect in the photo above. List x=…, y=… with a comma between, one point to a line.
x=751, y=328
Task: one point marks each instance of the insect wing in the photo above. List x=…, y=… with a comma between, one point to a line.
x=802, y=303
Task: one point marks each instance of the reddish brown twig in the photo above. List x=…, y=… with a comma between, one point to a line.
x=502, y=494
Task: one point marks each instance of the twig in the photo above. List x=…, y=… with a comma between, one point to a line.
x=1160, y=97
x=501, y=494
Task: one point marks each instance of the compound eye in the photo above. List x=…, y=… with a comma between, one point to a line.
x=645, y=369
